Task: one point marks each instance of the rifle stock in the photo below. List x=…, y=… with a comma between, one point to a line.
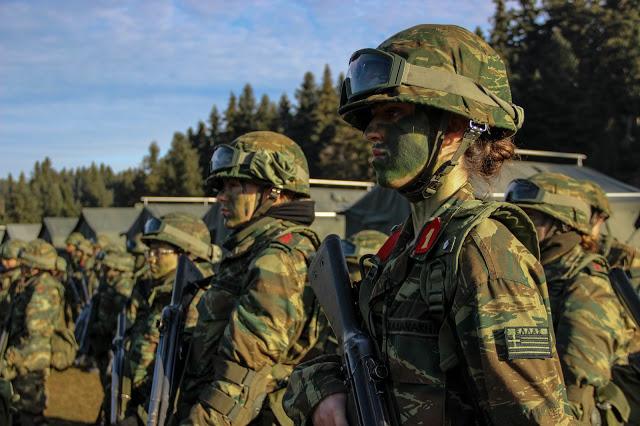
x=165, y=372
x=365, y=374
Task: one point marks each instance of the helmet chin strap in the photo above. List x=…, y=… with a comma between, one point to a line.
x=265, y=205
x=427, y=183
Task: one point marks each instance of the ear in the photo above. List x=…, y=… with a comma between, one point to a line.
x=455, y=130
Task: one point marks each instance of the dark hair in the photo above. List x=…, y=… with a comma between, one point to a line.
x=485, y=157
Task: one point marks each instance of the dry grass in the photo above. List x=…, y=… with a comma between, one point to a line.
x=74, y=397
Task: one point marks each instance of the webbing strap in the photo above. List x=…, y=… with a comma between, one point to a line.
x=456, y=84
x=470, y=136
x=219, y=401
x=234, y=372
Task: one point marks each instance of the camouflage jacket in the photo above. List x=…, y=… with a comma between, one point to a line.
x=144, y=311
x=36, y=311
x=593, y=330
x=111, y=297
x=622, y=256
x=257, y=320
x=463, y=321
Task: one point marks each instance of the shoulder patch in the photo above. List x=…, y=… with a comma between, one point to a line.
x=286, y=238
x=385, y=251
x=527, y=342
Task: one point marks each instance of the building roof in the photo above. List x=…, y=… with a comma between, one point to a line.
x=110, y=221
x=21, y=231
x=56, y=229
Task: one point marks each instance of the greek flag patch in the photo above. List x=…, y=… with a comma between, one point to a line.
x=528, y=342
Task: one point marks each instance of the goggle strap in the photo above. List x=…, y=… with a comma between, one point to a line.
x=470, y=136
x=567, y=201
x=456, y=84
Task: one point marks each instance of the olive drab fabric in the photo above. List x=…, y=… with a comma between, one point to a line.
x=457, y=325
x=9, y=250
x=272, y=158
x=257, y=320
x=597, y=197
x=454, y=51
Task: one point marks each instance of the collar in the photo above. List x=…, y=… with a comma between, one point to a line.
x=240, y=241
x=446, y=197
x=558, y=246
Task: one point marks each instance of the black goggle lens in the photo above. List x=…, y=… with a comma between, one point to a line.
x=222, y=157
x=152, y=226
x=521, y=190
x=367, y=71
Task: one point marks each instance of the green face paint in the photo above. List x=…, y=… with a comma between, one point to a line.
x=404, y=149
x=239, y=202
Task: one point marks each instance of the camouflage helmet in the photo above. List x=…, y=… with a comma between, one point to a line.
x=597, y=198
x=182, y=230
x=74, y=239
x=441, y=66
x=103, y=240
x=85, y=247
x=61, y=264
x=361, y=243
x=554, y=194
x=119, y=261
x=262, y=156
x=11, y=249
x=39, y=254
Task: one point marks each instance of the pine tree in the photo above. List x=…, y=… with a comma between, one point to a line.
x=151, y=168
x=22, y=204
x=230, y=126
x=266, y=116
x=284, y=115
x=304, y=121
x=214, y=126
x=179, y=170
x=245, y=120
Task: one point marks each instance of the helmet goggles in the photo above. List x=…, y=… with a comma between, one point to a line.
x=523, y=191
x=373, y=71
x=226, y=157
x=155, y=227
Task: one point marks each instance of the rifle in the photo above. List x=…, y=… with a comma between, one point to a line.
x=625, y=292
x=365, y=374
x=116, y=413
x=168, y=353
x=84, y=320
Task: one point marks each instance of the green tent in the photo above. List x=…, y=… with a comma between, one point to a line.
x=382, y=208
x=110, y=221
x=21, y=231
x=55, y=230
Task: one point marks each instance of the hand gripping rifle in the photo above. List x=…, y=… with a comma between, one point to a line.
x=364, y=372
x=169, y=360
x=116, y=413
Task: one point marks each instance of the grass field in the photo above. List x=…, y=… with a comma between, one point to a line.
x=74, y=398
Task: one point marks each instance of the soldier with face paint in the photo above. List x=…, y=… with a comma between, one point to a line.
x=9, y=274
x=259, y=317
x=167, y=238
x=458, y=303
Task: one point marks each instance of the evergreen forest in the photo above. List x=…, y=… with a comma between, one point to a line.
x=573, y=65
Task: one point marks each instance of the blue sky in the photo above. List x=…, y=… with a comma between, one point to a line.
x=84, y=81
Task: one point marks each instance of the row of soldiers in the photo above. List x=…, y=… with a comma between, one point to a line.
x=480, y=312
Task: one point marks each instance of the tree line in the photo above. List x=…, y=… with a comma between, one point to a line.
x=574, y=67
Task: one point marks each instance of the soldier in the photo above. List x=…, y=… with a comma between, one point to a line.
x=167, y=238
x=617, y=253
x=360, y=244
x=625, y=375
x=36, y=316
x=460, y=298
x=593, y=330
x=259, y=317
x=10, y=273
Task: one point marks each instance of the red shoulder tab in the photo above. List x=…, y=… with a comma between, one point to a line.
x=388, y=246
x=428, y=236
x=286, y=238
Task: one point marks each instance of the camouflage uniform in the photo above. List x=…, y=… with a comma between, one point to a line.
x=148, y=299
x=360, y=244
x=593, y=329
x=451, y=295
x=36, y=315
x=625, y=376
x=258, y=318
x=8, y=251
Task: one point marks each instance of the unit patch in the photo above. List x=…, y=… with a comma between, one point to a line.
x=528, y=342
